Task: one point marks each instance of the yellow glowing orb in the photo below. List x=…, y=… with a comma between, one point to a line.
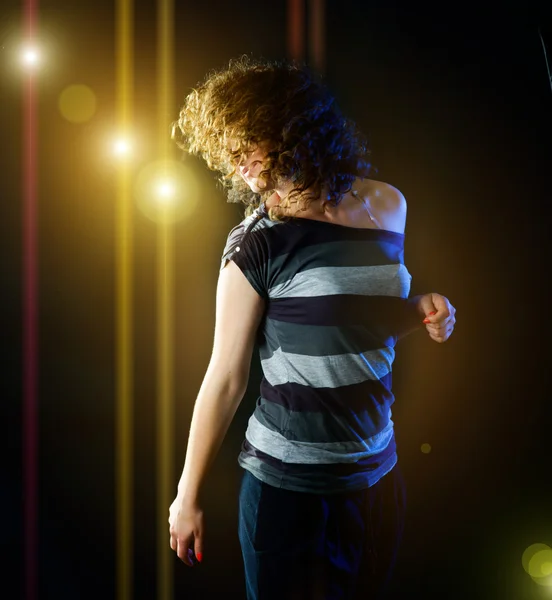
x=537, y=562
x=167, y=191
x=530, y=552
x=426, y=448
x=539, y=567
x=31, y=56
x=121, y=147
x=77, y=103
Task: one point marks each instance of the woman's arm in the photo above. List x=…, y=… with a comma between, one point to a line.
x=239, y=310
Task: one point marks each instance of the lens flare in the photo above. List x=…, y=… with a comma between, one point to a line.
x=30, y=57
x=167, y=191
x=77, y=103
x=540, y=567
x=537, y=563
x=122, y=147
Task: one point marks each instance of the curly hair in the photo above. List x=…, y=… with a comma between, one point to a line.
x=250, y=101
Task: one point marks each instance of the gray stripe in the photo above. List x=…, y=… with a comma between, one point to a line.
x=327, y=371
x=316, y=340
x=380, y=280
x=341, y=253
x=317, y=482
x=289, y=451
x=319, y=426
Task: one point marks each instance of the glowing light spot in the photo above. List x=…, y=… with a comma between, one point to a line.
x=530, y=551
x=536, y=567
x=537, y=562
x=122, y=147
x=77, y=103
x=167, y=191
x=426, y=448
x=31, y=57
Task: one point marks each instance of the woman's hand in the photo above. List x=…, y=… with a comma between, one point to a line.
x=439, y=316
x=186, y=530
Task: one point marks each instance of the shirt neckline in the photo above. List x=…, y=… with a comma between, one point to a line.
x=264, y=213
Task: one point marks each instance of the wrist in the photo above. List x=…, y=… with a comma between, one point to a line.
x=416, y=302
x=187, y=496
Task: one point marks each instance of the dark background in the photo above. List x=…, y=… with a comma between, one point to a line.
x=457, y=103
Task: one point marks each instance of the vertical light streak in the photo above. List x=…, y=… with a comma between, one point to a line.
x=317, y=31
x=165, y=291
x=124, y=475
x=30, y=326
x=295, y=29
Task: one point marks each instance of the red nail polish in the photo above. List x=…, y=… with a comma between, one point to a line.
x=199, y=556
x=426, y=321
x=433, y=312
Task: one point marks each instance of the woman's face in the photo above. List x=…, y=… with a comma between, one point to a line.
x=251, y=165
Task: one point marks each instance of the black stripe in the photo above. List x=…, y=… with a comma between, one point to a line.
x=352, y=398
x=306, y=232
x=385, y=316
x=324, y=426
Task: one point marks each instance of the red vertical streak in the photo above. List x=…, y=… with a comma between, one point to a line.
x=317, y=37
x=30, y=333
x=296, y=28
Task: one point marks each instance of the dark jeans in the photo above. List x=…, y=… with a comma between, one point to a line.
x=300, y=546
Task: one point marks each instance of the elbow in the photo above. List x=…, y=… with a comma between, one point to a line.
x=237, y=386
x=230, y=380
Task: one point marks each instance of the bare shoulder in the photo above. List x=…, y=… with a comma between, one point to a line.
x=386, y=201
x=382, y=195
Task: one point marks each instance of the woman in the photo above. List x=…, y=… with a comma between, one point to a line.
x=316, y=269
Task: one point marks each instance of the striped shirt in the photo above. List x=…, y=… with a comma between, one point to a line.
x=335, y=308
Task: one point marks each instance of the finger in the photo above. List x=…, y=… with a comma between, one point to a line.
x=439, y=329
x=441, y=303
x=198, y=548
x=435, y=328
x=425, y=305
x=183, y=553
x=437, y=338
x=437, y=320
x=441, y=336
x=173, y=543
x=435, y=303
x=437, y=332
x=440, y=316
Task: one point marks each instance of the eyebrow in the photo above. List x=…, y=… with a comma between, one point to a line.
x=240, y=151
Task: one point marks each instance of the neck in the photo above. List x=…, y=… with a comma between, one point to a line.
x=280, y=193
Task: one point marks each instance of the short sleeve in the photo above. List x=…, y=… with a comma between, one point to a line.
x=249, y=250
